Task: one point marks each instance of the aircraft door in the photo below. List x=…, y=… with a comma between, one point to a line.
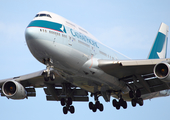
x=70, y=41
x=54, y=42
x=57, y=39
x=92, y=50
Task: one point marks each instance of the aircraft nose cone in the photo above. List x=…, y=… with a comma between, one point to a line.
x=32, y=40
x=30, y=34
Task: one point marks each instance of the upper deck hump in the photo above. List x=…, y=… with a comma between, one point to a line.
x=52, y=17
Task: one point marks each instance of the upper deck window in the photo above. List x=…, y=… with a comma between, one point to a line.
x=43, y=15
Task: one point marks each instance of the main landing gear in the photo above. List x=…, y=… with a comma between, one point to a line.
x=67, y=103
x=136, y=97
x=119, y=103
x=97, y=104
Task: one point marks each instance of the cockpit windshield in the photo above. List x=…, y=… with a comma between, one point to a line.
x=43, y=15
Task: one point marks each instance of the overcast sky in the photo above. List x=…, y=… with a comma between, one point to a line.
x=129, y=27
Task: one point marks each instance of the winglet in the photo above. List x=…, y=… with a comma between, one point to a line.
x=159, y=47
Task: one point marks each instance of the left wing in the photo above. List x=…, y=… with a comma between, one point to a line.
x=138, y=73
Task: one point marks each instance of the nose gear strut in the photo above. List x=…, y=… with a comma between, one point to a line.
x=47, y=73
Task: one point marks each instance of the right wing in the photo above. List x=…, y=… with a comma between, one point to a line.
x=52, y=88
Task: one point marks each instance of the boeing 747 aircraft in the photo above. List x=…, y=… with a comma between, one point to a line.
x=77, y=64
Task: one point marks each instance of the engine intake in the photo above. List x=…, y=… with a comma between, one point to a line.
x=162, y=71
x=14, y=90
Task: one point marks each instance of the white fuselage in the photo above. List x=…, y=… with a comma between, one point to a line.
x=74, y=51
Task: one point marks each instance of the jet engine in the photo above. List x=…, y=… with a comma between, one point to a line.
x=14, y=90
x=162, y=71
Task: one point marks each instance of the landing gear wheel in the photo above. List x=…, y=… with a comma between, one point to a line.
x=121, y=102
x=65, y=110
x=62, y=101
x=91, y=105
x=114, y=102
x=140, y=101
x=133, y=102
x=101, y=108
x=72, y=110
x=138, y=93
x=46, y=78
x=131, y=94
x=94, y=109
x=97, y=104
x=124, y=105
x=69, y=101
x=52, y=76
x=118, y=106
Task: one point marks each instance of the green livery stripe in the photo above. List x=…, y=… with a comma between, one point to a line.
x=47, y=24
x=157, y=46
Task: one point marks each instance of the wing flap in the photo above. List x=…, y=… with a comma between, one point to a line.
x=58, y=94
x=155, y=85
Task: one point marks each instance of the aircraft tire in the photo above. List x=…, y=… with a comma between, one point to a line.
x=65, y=110
x=131, y=94
x=62, y=101
x=69, y=101
x=140, y=101
x=124, y=104
x=138, y=93
x=91, y=105
x=46, y=78
x=94, y=108
x=101, y=108
x=72, y=110
x=133, y=102
x=114, y=102
x=121, y=102
x=118, y=106
x=52, y=76
x=97, y=104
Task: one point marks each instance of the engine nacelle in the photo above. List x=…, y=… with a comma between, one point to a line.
x=14, y=90
x=162, y=71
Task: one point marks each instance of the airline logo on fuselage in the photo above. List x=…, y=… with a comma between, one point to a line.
x=84, y=38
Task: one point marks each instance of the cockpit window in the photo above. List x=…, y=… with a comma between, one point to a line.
x=37, y=15
x=48, y=15
x=43, y=15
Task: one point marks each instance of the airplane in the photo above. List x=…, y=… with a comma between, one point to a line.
x=79, y=65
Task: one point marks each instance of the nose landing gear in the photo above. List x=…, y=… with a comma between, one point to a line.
x=47, y=73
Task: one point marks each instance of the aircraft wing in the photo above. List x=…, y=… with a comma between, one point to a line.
x=35, y=79
x=52, y=88
x=136, y=73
